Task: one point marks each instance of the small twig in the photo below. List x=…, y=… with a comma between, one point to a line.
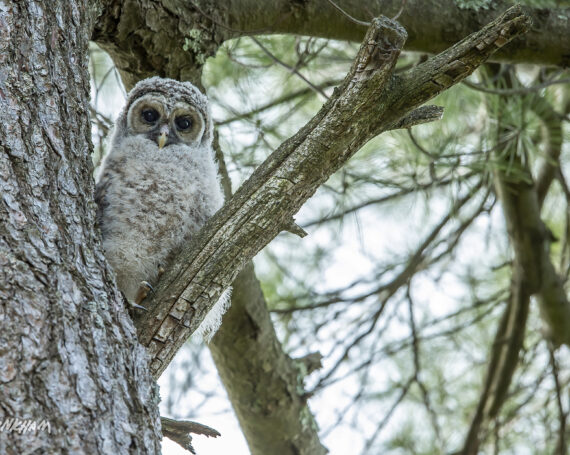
x=352, y=19
x=235, y=60
x=179, y=431
x=400, y=11
x=284, y=99
x=312, y=362
x=417, y=367
x=289, y=67
x=513, y=91
x=561, y=445
x=418, y=145
x=294, y=228
x=388, y=415
x=421, y=115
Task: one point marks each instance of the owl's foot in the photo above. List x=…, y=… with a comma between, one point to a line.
x=144, y=289
x=160, y=270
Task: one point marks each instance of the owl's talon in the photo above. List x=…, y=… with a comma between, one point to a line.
x=138, y=307
x=144, y=289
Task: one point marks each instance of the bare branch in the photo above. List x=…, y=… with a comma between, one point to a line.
x=352, y=19
x=179, y=431
x=120, y=31
x=515, y=91
x=276, y=102
x=414, y=263
x=562, y=414
x=424, y=114
x=289, y=68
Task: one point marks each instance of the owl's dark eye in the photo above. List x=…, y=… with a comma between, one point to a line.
x=183, y=123
x=150, y=115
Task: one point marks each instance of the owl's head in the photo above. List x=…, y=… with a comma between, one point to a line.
x=166, y=112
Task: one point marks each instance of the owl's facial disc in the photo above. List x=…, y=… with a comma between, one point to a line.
x=165, y=122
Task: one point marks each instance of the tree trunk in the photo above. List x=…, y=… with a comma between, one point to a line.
x=73, y=376
x=264, y=385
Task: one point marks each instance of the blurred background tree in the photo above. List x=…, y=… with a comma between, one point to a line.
x=409, y=283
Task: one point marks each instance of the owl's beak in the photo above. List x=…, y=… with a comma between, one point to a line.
x=163, y=136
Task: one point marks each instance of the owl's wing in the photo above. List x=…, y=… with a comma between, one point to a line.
x=101, y=199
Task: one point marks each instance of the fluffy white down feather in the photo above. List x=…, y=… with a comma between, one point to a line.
x=213, y=319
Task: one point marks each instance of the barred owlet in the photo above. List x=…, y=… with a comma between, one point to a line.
x=158, y=185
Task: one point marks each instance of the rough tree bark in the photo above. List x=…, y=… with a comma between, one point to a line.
x=70, y=365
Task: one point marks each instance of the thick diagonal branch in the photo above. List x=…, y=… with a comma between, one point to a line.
x=370, y=100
